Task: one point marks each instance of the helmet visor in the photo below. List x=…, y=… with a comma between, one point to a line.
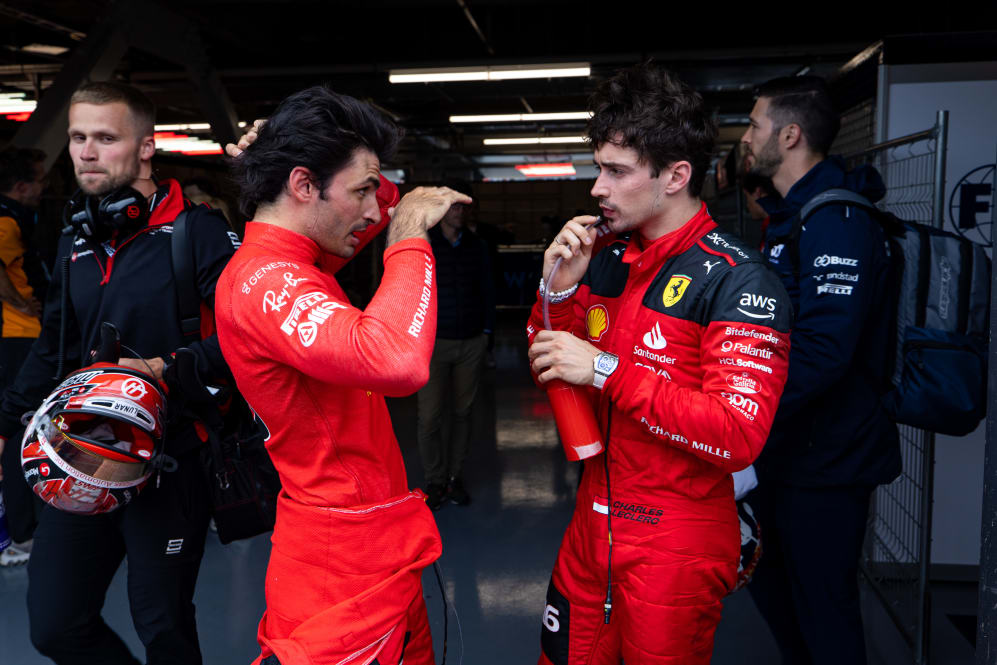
x=90, y=457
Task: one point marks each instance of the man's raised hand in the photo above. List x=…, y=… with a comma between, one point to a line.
x=573, y=243
x=247, y=139
x=420, y=210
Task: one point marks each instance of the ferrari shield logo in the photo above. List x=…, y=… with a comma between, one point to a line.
x=675, y=289
x=597, y=322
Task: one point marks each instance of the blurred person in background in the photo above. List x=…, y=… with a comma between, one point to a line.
x=23, y=281
x=465, y=327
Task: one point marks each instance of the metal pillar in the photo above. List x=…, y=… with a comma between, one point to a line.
x=94, y=60
x=941, y=143
x=986, y=616
x=142, y=25
x=170, y=36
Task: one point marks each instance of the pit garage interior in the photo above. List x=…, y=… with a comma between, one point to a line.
x=915, y=87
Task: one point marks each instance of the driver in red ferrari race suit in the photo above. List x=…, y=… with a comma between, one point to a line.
x=344, y=581
x=689, y=333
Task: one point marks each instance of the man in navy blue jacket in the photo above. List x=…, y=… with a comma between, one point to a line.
x=832, y=442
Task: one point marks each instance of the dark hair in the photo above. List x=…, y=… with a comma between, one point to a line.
x=805, y=101
x=109, y=92
x=650, y=110
x=317, y=129
x=18, y=165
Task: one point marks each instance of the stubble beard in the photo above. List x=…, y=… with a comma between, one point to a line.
x=108, y=185
x=767, y=160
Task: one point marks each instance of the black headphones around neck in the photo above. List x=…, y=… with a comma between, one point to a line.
x=96, y=217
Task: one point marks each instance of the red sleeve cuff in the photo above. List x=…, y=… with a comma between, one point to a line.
x=419, y=244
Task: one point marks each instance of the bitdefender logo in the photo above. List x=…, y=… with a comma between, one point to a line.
x=653, y=339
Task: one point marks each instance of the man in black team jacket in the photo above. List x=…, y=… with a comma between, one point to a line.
x=123, y=276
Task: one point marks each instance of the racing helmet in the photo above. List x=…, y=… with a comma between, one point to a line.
x=94, y=442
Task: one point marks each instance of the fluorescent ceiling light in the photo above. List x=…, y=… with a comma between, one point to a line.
x=188, y=145
x=8, y=105
x=450, y=74
x=545, y=170
x=44, y=49
x=536, y=140
x=522, y=117
x=193, y=127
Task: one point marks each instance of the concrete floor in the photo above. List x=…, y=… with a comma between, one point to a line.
x=498, y=553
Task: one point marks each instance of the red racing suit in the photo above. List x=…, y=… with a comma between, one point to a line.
x=701, y=328
x=344, y=580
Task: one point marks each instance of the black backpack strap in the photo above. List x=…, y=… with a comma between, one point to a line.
x=835, y=196
x=183, y=275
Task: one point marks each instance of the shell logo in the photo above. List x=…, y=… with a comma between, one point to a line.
x=597, y=322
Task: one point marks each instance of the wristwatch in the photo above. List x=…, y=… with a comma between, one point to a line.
x=604, y=364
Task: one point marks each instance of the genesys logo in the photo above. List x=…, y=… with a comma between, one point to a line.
x=827, y=260
x=743, y=383
x=653, y=339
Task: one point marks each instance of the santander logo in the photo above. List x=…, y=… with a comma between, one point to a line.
x=653, y=339
x=742, y=383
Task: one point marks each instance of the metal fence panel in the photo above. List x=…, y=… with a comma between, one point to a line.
x=897, y=550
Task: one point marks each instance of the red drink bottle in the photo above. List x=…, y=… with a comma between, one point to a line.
x=572, y=407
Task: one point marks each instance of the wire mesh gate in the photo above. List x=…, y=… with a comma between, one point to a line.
x=897, y=550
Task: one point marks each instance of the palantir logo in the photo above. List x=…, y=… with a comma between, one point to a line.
x=653, y=339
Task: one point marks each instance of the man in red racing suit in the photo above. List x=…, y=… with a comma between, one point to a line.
x=690, y=331
x=344, y=580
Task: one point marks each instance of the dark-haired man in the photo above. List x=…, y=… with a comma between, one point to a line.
x=23, y=280
x=351, y=541
x=121, y=271
x=682, y=333
x=832, y=442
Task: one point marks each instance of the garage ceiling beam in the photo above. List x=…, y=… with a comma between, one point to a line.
x=143, y=25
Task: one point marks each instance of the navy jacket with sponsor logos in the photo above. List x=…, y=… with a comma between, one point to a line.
x=129, y=282
x=831, y=428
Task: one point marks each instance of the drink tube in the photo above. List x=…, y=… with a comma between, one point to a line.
x=572, y=406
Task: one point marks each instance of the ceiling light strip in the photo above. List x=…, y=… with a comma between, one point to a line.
x=546, y=170
x=535, y=140
x=522, y=117
x=498, y=73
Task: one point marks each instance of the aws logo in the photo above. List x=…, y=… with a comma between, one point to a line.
x=596, y=322
x=675, y=289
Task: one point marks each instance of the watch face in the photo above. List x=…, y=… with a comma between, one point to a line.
x=606, y=364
